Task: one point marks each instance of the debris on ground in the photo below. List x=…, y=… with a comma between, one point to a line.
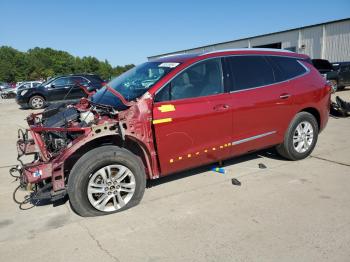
x=262, y=166
x=235, y=182
x=340, y=108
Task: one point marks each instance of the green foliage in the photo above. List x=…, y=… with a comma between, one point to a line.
x=40, y=63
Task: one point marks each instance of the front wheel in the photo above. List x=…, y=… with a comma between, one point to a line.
x=37, y=102
x=106, y=180
x=300, y=138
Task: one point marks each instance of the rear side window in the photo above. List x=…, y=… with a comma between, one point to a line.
x=78, y=80
x=249, y=71
x=287, y=67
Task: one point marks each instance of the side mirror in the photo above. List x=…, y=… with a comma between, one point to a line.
x=52, y=85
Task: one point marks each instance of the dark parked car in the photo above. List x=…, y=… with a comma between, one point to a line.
x=343, y=72
x=57, y=89
x=337, y=73
x=169, y=115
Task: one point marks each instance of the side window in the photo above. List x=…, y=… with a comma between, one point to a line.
x=288, y=67
x=345, y=68
x=77, y=79
x=202, y=79
x=249, y=71
x=63, y=81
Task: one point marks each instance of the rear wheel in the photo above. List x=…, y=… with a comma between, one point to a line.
x=106, y=180
x=37, y=102
x=300, y=138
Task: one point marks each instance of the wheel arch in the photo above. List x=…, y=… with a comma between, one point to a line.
x=130, y=144
x=313, y=111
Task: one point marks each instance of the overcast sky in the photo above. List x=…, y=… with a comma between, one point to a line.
x=125, y=32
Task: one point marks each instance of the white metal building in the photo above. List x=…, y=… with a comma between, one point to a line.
x=330, y=40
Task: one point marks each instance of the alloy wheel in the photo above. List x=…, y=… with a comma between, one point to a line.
x=303, y=137
x=111, y=187
x=37, y=102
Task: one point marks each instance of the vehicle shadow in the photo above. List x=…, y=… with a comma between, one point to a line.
x=266, y=153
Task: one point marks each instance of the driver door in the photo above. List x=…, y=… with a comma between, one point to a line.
x=58, y=89
x=192, y=118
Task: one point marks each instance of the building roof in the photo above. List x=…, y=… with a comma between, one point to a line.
x=246, y=38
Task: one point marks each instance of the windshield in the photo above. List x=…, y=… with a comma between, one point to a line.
x=133, y=83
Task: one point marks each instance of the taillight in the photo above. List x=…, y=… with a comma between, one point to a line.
x=329, y=87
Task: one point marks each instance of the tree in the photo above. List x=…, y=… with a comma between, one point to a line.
x=39, y=63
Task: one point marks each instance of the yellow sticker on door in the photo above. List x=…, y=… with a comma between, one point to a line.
x=166, y=108
x=162, y=120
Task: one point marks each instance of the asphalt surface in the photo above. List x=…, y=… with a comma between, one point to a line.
x=289, y=211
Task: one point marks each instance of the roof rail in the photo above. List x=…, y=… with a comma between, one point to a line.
x=248, y=49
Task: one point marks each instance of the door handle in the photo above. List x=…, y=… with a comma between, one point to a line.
x=285, y=96
x=221, y=107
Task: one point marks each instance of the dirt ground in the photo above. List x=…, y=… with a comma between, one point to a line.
x=290, y=211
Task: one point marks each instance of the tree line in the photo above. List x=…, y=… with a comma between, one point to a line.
x=42, y=63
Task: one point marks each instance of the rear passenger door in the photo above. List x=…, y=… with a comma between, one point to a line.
x=260, y=104
x=192, y=118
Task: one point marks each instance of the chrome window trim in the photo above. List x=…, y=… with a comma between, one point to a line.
x=234, y=143
x=230, y=92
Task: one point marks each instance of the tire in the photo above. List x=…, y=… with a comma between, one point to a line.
x=37, y=102
x=86, y=177
x=292, y=147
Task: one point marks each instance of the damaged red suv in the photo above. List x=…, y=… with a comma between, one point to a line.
x=168, y=115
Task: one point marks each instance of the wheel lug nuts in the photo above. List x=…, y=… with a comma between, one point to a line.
x=106, y=188
x=109, y=192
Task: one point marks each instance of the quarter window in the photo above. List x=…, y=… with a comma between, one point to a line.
x=249, y=71
x=202, y=79
x=288, y=67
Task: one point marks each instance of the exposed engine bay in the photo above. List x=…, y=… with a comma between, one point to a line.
x=56, y=135
x=61, y=116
